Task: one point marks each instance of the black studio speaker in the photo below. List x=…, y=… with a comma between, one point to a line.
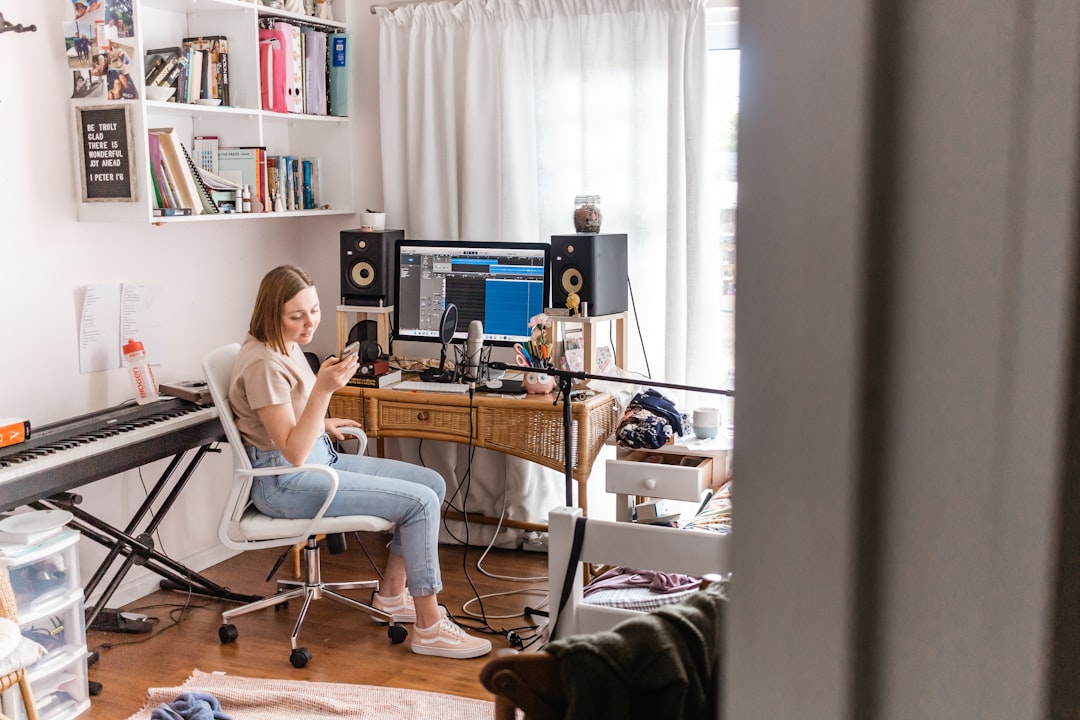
x=594, y=267
x=367, y=266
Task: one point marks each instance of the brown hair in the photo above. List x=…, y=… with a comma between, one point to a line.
x=278, y=287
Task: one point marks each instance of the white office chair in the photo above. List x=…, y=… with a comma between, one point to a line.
x=243, y=527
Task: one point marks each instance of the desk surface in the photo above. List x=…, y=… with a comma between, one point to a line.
x=529, y=428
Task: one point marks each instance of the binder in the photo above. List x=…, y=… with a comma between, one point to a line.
x=201, y=191
x=340, y=61
x=273, y=67
x=294, y=66
x=315, y=72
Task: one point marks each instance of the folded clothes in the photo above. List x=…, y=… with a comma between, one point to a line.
x=658, y=582
x=190, y=706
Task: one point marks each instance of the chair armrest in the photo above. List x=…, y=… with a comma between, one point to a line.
x=326, y=470
x=358, y=433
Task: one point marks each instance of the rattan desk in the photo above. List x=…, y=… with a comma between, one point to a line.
x=529, y=428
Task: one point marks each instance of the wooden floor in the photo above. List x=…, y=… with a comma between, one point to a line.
x=346, y=645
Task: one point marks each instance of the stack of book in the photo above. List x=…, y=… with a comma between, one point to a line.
x=178, y=187
x=375, y=380
x=206, y=71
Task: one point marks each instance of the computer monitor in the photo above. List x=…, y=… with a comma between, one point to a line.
x=502, y=284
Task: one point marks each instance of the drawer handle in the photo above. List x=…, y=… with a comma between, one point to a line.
x=422, y=416
x=649, y=484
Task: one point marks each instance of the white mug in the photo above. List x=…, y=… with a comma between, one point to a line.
x=707, y=422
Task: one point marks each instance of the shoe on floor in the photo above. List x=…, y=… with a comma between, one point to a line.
x=401, y=607
x=447, y=639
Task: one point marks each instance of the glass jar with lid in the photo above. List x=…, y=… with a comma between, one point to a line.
x=587, y=213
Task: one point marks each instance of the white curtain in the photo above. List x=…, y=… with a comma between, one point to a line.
x=495, y=114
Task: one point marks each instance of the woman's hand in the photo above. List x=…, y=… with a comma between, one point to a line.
x=332, y=425
x=334, y=373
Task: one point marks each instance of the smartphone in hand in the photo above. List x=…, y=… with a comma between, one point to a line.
x=351, y=349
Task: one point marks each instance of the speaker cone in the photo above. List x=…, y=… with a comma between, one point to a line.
x=362, y=274
x=570, y=281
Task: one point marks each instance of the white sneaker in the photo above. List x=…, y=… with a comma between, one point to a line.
x=447, y=639
x=402, y=607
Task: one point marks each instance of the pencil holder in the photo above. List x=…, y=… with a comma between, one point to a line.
x=538, y=383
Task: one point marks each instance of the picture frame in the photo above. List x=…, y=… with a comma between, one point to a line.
x=107, y=169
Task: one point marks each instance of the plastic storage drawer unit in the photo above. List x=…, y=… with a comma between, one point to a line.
x=44, y=571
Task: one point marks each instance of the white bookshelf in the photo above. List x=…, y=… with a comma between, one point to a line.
x=164, y=23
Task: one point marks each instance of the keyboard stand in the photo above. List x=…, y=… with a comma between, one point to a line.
x=138, y=547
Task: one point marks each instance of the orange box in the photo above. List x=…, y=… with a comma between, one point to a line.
x=13, y=431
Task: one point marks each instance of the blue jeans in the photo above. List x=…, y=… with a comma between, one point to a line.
x=408, y=495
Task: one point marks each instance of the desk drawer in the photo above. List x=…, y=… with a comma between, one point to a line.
x=406, y=418
x=669, y=476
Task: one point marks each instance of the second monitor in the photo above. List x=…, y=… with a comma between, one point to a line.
x=501, y=284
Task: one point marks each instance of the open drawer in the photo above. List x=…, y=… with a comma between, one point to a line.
x=659, y=475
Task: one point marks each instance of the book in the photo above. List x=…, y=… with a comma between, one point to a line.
x=175, y=165
x=393, y=377
x=161, y=189
x=193, y=91
x=206, y=152
x=272, y=183
x=13, y=431
x=340, y=51
x=259, y=196
x=213, y=50
x=240, y=166
x=159, y=62
x=171, y=212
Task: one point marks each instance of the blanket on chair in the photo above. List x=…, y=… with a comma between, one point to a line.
x=663, y=664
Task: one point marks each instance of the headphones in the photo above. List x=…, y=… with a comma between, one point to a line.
x=369, y=349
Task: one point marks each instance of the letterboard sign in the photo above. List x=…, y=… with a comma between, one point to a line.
x=106, y=162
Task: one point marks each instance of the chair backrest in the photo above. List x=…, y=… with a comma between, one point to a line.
x=218, y=366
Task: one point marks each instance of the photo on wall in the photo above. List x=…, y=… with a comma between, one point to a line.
x=121, y=85
x=87, y=85
x=118, y=19
x=88, y=11
x=80, y=44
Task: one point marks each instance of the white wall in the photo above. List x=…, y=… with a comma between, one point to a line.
x=208, y=271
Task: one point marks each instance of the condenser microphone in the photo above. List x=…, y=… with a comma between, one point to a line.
x=474, y=344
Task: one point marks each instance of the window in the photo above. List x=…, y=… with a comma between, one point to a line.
x=723, y=111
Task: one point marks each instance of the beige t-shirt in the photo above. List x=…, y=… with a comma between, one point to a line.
x=263, y=377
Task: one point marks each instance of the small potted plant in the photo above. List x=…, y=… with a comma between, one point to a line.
x=372, y=220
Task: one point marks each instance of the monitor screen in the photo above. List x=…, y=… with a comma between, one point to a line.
x=501, y=284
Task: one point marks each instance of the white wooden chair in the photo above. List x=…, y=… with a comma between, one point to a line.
x=243, y=527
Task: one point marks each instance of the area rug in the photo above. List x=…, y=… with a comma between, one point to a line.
x=245, y=698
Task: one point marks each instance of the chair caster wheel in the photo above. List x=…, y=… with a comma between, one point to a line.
x=227, y=633
x=397, y=633
x=300, y=657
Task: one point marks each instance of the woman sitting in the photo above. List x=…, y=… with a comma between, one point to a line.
x=281, y=408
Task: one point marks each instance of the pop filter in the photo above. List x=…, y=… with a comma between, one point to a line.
x=447, y=327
